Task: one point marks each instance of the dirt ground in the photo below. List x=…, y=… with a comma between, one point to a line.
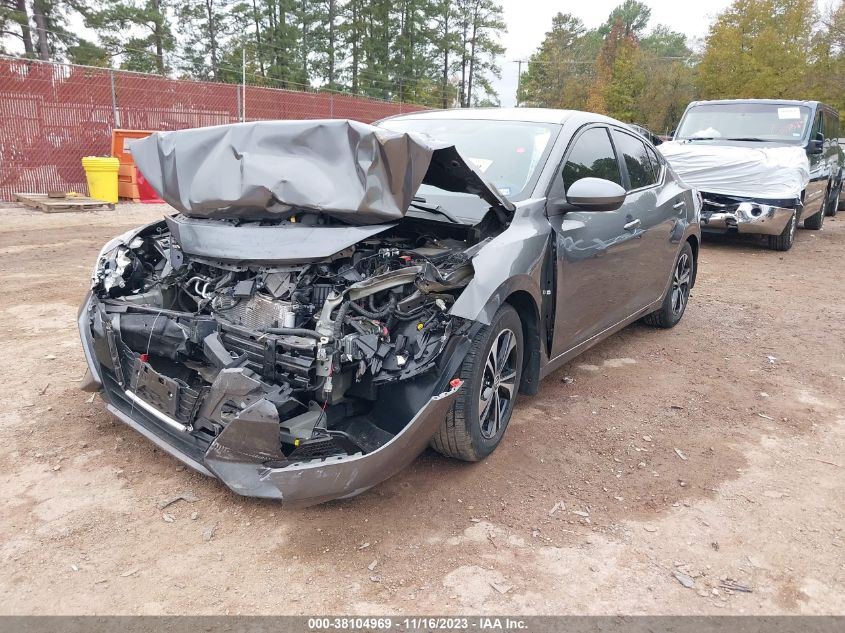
x=711, y=455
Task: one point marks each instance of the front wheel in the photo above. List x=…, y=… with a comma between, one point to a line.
x=491, y=373
x=786, y=239
x=677, y=297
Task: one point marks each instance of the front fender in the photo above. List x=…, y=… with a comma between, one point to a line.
x=512, y=261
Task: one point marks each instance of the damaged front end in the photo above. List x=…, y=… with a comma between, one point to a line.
x=760, y=216
x=299, y=380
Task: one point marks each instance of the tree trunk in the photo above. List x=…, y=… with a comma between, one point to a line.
x=38, y=14
x=446, y=45
x=274, y=35
x=472, y=53
x=26, y=33
x=331, y=51
x=304, y=24
x=464, y=39
x=258, y=53
x=355, y=52
x=282, y=44
x=212, y=36
x=158, y=37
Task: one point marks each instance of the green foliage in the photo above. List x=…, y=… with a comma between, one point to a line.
x=618, y=69
x=432, y=52
x=15, y=24
x=759, y=48
x=444, y=53
x=138, y=31
x=561, y=71
x=623, y=92
x=204, y=25
x=631, y=17
x=664, y=42
x=479, y=22
x=88, y=54
x=826, y=79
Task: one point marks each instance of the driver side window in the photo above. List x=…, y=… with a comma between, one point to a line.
x=817, y=125
x=592, y=156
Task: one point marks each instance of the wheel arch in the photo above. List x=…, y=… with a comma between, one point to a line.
x=694, y=245
x=529, y=316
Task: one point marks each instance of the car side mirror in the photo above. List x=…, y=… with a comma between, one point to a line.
x=817, y=144
x=672, y=134
x=595, y=194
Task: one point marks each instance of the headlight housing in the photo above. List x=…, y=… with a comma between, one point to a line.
x=113, y=260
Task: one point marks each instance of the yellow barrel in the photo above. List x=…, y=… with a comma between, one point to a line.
x=101, y=172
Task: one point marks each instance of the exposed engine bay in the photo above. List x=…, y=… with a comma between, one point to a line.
x=309, y=349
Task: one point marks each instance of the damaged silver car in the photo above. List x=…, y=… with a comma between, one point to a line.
x=762, y=165
x=332, y=297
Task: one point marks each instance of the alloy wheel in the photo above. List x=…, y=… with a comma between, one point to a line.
x=498, y=385
x=681, y=279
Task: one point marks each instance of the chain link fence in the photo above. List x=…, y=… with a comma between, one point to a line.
x=51, y=115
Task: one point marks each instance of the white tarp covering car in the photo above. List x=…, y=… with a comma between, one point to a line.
x=774, y=173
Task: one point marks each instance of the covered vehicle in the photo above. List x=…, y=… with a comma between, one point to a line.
x=331, y=296
x=762, y=166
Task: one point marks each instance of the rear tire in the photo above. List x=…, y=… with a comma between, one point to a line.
x=786, y=239
x=815, y=222
x=491, y=373
x=832, y=205
x=677, y=297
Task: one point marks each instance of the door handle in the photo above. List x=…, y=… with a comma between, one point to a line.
x=679, y=205
x=632, y=224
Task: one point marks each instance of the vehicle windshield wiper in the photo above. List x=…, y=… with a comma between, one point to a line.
x=699, y=138
x=746, y=138
x=422, y=205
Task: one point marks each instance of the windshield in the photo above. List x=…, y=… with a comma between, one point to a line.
x=746, y=121
x=507, y=152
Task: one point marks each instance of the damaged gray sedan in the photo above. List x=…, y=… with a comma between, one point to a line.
x=332, y=297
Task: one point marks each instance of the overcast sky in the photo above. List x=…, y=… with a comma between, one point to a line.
x=529, y=20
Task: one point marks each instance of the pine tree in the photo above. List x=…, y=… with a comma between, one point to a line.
x=631, y=17
x=479, y=24
x=148, y=27
x=204, y=26
x=560, y=72
x=14, y=22
x=623, y=92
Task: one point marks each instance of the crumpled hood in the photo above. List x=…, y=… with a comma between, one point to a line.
x=754, y=172
x=355, y=171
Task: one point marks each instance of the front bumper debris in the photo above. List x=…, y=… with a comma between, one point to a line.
x=246, y=455
x=745, y=217
x=315, y=481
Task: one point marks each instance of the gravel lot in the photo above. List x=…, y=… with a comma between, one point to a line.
x=711, y=455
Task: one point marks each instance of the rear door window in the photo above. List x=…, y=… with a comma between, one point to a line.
x=592, y=156
x=641, y=172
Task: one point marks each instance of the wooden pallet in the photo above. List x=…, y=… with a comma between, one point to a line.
x=43, y=202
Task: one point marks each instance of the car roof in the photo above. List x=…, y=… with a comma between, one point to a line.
x=529, y=115
x=770, y=101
